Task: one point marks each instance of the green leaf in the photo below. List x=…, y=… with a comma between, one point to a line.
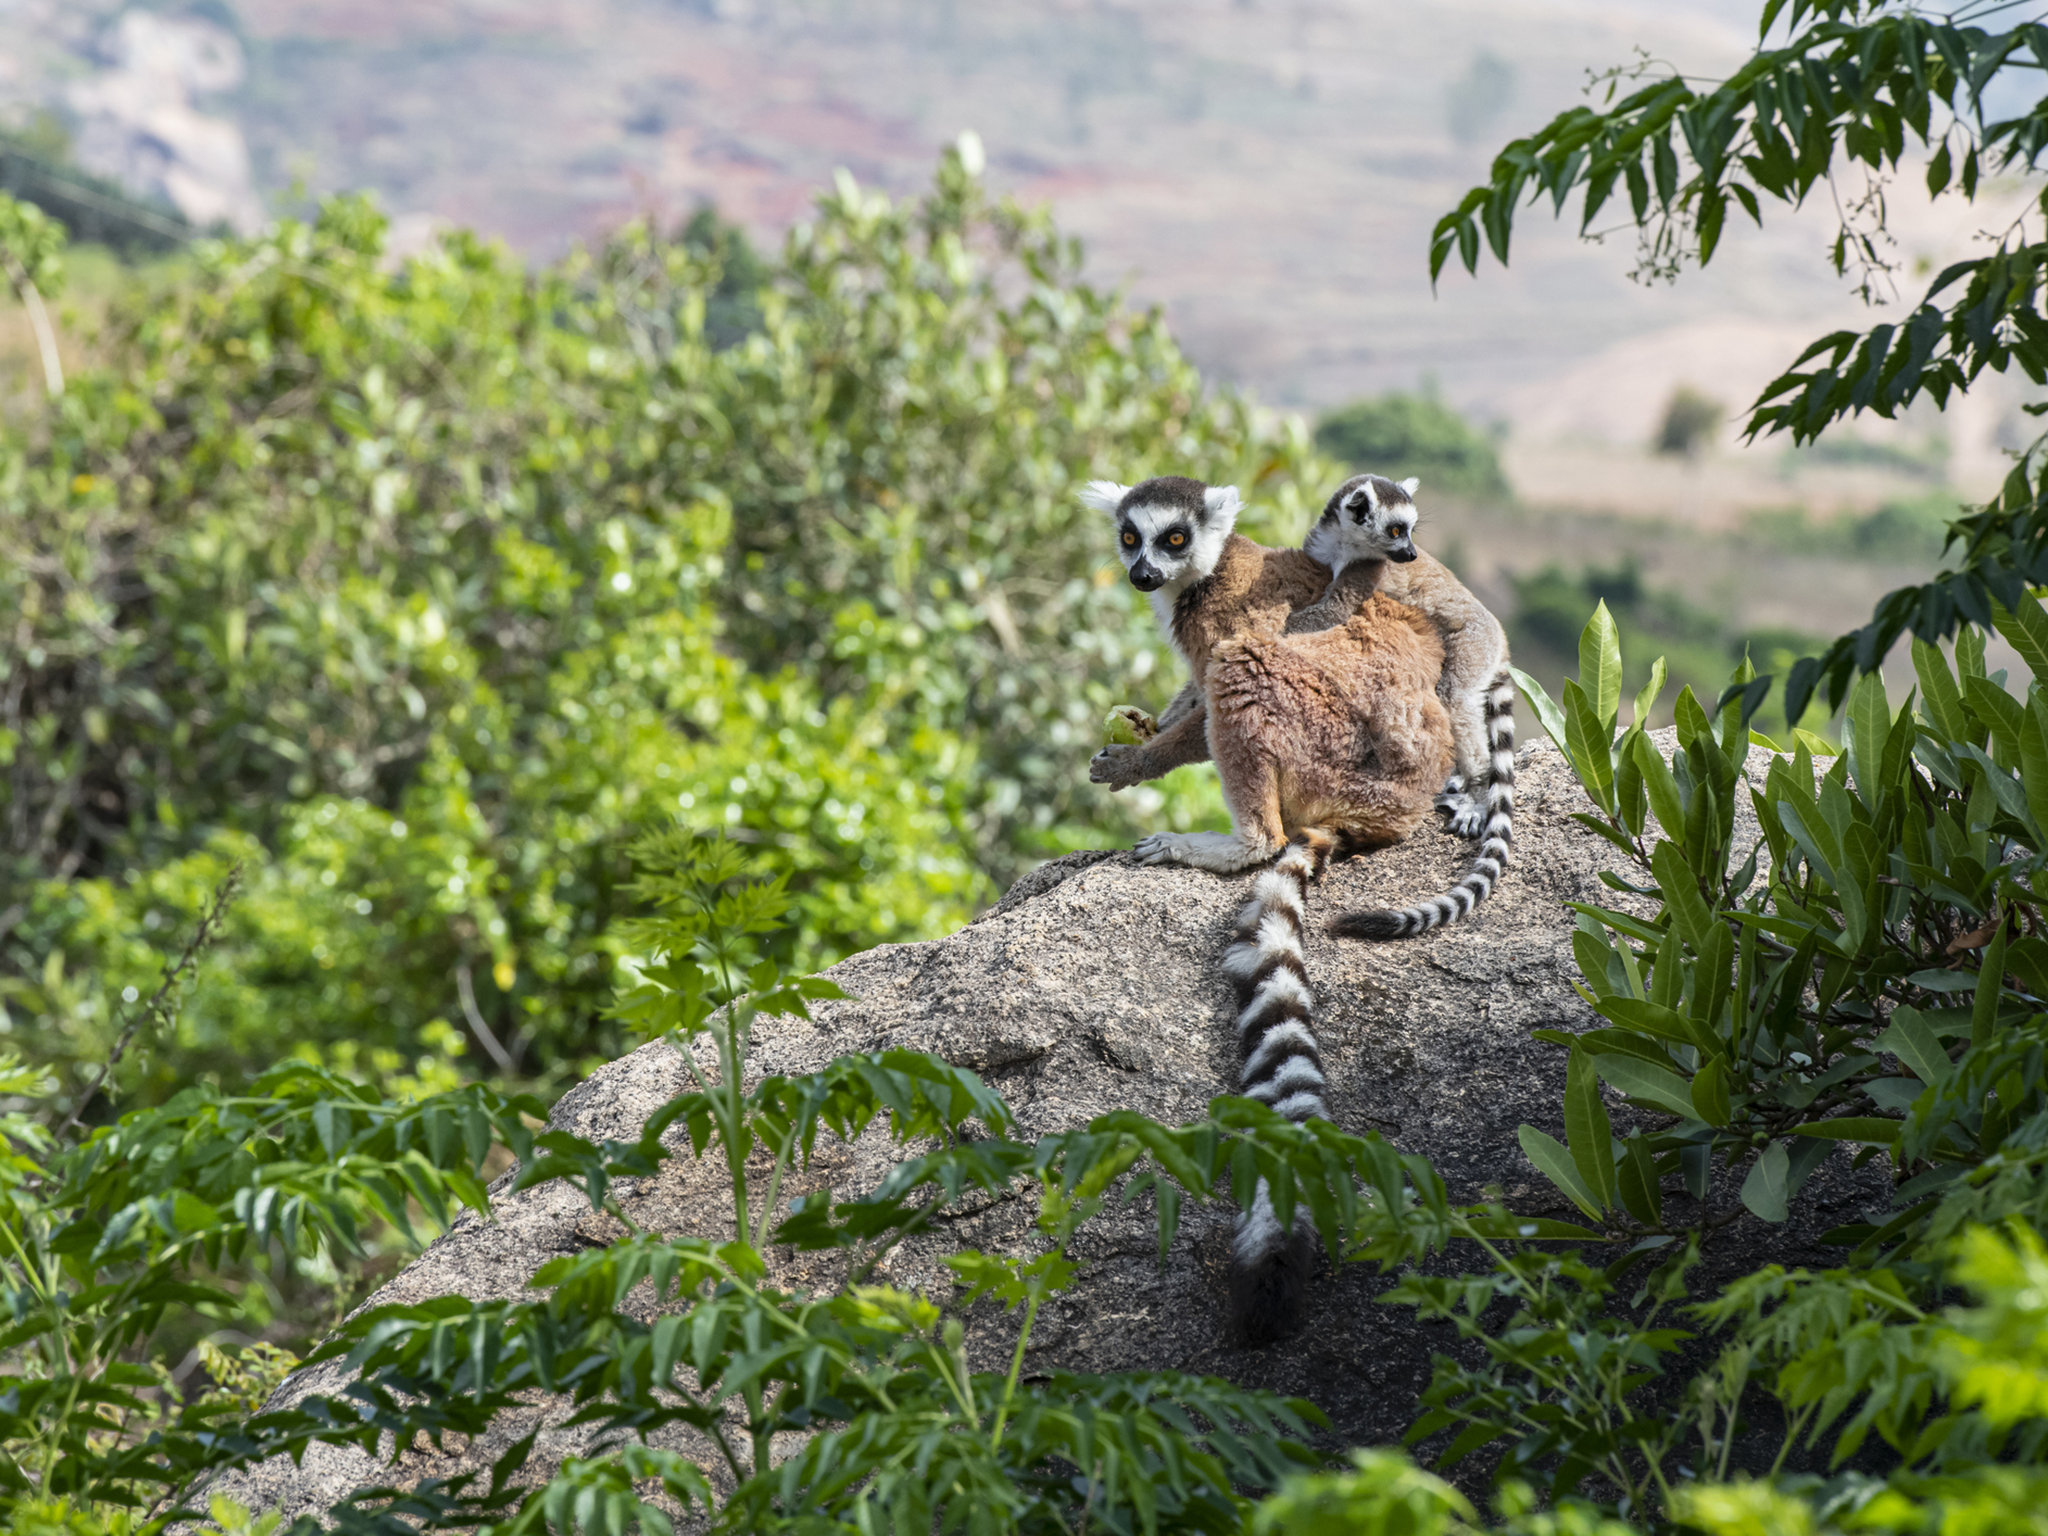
x=1588, y=743
x=1545, y=708
x=1646, y=699
x=1631, y=801
x=2034, y=767
x=1819, y=746
x=1691, y=918
x=1766, y=1189
x=2000, y=713
x=1556, y=1165
x=1908, y=1036
x=1691, y=718
x=1940, y=698
x=1639, y=1079
x=1665, y=802
x=1709, y=1093
x=1600, y=666
x=2026, y=629
x=1653, y=1018
x=1865, y=1128
x=1870, y=724
x=1641, y=1190
x=1586, y=1127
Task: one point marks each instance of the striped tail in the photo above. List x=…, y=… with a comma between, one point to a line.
x=1495, y=839
x=1270, y=1266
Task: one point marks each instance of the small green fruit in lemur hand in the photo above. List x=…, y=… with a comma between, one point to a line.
x=1128, y=726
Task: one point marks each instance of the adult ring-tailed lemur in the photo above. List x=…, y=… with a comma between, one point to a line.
x=1370, y=521
x=1327, y=742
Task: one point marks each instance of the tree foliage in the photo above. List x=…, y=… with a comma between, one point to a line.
x=1847, y=88
x=415, y=588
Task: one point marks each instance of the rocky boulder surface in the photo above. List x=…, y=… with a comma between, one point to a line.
x=1092, y=986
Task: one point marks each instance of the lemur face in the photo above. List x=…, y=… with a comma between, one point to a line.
x=1369, y=518
x=1169, y=530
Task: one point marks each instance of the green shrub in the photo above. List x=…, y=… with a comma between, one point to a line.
x=1690, y=421
x=1696, y=645
x=418, y=590
x=1399, y=435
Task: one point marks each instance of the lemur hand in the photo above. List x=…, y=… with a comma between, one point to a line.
x=1118, y=767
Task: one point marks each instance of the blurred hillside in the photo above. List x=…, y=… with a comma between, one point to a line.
x=1267, y=169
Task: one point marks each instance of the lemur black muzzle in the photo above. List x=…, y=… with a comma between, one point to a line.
x=1402, y=553
x=1146, y=578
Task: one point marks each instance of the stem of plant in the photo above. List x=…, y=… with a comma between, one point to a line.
x=774, y=1189
x=1016, y=1370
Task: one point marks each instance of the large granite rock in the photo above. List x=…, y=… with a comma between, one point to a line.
x=1094, y=986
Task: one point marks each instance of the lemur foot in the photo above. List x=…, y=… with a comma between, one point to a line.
x=1467, y=815
x=1220, y=853
x=1117, y=766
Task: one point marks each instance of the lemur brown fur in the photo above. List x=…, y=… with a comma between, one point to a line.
x=1339, y=728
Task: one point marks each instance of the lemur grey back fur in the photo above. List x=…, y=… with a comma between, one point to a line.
x=1373, y=518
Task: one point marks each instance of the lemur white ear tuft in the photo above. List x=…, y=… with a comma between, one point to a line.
x=1104, y=495
x=1411, y=485
x=1221, y=502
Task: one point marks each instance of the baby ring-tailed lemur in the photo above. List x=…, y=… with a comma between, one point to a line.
x=1372, y=519
x=1327, y=742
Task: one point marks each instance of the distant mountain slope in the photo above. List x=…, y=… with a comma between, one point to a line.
x=1267, y=169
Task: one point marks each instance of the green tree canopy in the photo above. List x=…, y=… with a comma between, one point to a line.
x=416, y=587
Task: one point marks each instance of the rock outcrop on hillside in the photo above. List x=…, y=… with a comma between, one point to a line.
x=1094, y=986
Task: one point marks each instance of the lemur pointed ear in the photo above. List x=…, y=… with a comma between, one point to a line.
x=1411, y=485
x=1104, y=495
x=1221, y=503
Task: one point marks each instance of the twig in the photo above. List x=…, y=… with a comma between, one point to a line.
x=39, y=321
x=489, y=1041
x=209, y=924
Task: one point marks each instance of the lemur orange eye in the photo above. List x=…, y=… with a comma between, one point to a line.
x=1130, y=539
x=1176, y=539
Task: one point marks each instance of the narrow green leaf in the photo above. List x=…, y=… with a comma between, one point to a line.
x=1600, y=666
x=1869, y=725
x=1641, y=1190
x=2026, y=629
x=1665, y=802
x=1691, y=717
x=1555, y=1164
x=1653, y=1018
x=1547, y=713
x=1990, y=988
x=1646, y=699
x=1940, y=698
x=1587, y=742
x=1819, y=746
x=1710, y=1093
x=1691, y=918
x=2034, y=765
x=1865, y=1128
x=1587, y=1129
